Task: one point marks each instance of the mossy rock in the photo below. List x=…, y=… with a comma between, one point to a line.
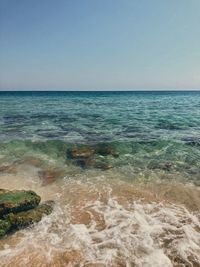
x=3, y=191
x=23, y=219
x=17, y=201
x=5, y=227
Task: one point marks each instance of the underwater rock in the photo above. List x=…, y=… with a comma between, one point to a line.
x=8, y=168
x=102, y=165
x=192, y=141
x=166, y=166
x=26, y=218
x=87, y=163
x=18, y=200
x=84, y=163
x=82, y=152
x=36, y=162
x=85, y=157
x=87, y=152
x=50, y=175
x=5, y=227
x=106, y=150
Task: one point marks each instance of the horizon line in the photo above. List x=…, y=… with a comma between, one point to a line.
x=98, y=90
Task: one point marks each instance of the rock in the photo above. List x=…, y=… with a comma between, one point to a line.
x=3, y=191
x=87, y=163
x=16, y=201
x=36, y=162
x=106, y=150
x=166, y=166
x=87, y=152
x=19, y=209
x=8, y=168
x=5, y=227
x=50, y=175
x=82, y=152
x=86, y=157
x=192, y=141
x=26, y=218
x=102, y=165
x=84, y=163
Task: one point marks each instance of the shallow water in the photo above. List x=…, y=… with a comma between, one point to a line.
x=145, y=211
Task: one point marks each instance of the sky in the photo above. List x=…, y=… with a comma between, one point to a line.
x=99, y=44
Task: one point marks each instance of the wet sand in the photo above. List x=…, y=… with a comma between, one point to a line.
x=101, y=219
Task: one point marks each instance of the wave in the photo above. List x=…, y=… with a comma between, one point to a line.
x=153, y=234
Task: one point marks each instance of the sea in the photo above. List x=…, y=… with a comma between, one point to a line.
x=137, y=203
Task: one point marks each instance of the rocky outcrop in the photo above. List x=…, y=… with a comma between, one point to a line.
x=16, y=201
x=26, y=218
x=19, y=209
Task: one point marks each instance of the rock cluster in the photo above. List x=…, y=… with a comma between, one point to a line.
x=19, y=209
x=91, y=156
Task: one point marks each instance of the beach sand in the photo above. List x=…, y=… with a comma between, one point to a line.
x=101, y=219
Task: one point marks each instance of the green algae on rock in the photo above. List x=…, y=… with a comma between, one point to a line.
x=18, y=200
x=5, y=227
x=26, y=218
x=19, y=209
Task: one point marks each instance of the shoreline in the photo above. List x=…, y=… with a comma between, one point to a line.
x=93, y=209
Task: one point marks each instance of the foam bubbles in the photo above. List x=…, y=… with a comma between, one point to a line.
x=140, y=234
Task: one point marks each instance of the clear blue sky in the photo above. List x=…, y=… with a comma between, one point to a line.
x=99, y=44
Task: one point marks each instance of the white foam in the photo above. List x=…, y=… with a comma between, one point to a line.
x=139, y=235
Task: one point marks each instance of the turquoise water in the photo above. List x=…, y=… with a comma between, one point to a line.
x=154, y=131
x=97, y=117
x=142, y=208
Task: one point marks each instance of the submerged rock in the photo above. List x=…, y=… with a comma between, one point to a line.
x=89, y=151
x=8, y=168
x=192, y=141
x=84, y=163
x=50, y=175
x=26, y=218
x=102, y=165
x=106, y=150
x=92, y=156
x=166, y=166
x=81, y=152
x=36, y=162
x=89, y=163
